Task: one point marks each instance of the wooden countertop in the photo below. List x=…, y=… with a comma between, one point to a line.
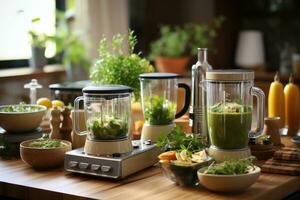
x=18, y=180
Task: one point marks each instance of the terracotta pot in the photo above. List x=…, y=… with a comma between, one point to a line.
x=172, y=65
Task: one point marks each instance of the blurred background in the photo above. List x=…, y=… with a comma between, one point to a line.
x=57, y=40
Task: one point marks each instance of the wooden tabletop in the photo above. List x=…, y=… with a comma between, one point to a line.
x=19, y=180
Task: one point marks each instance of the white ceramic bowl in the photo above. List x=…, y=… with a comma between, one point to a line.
x=21, y=121
x=228, y=183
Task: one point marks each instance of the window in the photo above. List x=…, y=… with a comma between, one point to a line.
x=15, y=22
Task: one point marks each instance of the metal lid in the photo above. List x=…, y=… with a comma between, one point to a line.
x=107, y=89
x=158, y=75
x=230, y=75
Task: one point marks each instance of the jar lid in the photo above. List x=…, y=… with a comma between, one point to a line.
x=158, y=75
x=230, y=75
x=107, y=89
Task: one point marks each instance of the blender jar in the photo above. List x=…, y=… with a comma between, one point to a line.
x=229, y=108
x=159, y=98
x=107, y=112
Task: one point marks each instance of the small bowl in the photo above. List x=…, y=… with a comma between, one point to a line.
x=44, y=157
x=228, y=183
x=21, y=121
x=183, y=175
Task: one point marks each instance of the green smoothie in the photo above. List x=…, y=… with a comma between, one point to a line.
x=229, y=125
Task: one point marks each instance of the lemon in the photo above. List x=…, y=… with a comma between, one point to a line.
x=45, y=102
x=58, y=103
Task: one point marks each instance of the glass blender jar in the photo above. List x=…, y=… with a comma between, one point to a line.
x=159, y=92
x=229, y=112
x=107, y=117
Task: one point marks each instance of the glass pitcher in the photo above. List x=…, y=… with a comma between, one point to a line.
x=159, y=93
x=107, y=112
x=229, y=108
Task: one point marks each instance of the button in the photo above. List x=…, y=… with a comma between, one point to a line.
x=73, y=164
x=83, y=165
x=105, y=168
x=147, y=142
x=135, y=145
x=95, y=167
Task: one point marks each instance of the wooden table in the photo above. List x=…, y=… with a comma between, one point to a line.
x=18, y=180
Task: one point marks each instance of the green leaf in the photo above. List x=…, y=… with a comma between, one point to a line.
x=178, y=140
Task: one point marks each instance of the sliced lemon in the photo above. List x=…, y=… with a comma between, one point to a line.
x=44, y=102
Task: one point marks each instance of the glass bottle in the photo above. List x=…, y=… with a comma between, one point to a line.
x=198, y=120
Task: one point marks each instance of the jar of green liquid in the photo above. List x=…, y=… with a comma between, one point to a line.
x=229, y=108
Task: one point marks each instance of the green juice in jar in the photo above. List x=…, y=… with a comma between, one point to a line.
x=229, y=125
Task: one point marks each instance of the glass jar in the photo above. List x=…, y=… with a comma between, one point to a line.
x=229, y=108
x=159, y=98
x=107, y=112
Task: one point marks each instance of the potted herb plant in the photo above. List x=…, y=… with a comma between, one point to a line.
x=71, y=48
x=38, y=46
x=176, y=45
x=114, y=66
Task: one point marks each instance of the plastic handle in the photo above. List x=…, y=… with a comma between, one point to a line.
x=187, y=99
x=77, y=117
x=260, y=111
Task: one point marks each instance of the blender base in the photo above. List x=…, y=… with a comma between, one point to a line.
x=223, y=154
x=114, y=166
x=94, y=147
x=153, y=132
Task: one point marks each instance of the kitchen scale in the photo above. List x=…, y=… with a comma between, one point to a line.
x=116, y=166
x=108, y=150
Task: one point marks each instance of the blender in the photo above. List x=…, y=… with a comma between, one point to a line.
x=107, y=114
x=229, y=112
x=159, y=102
x=108, y=150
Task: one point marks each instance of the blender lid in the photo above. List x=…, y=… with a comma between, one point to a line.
x=158, y=75
x=107, y=89
x=230, y=75
x=70, y=86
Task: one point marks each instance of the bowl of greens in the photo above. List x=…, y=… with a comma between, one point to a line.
x=44, y=153
x=183, y=155
x=21, y=117
x=229, y=176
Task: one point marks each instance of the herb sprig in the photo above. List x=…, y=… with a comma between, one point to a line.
x=178, y=140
